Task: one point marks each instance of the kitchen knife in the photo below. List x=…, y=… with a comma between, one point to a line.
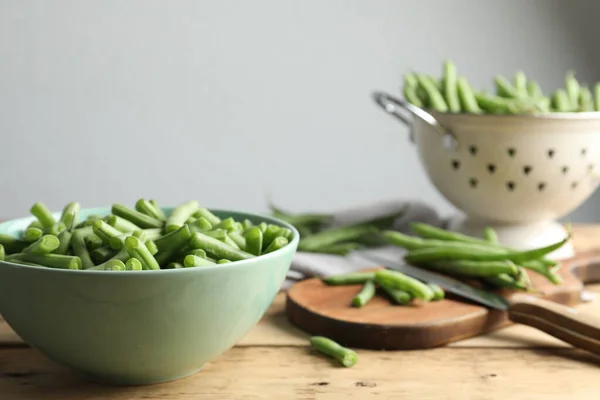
x=449, y=284
x=562, y=322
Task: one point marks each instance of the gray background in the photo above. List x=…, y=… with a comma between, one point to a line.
x=230, y=101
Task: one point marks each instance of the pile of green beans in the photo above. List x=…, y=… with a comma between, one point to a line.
x=474, y=258
x=396, y=286
x=319, y=233
x=139, y=238
x=452, y=93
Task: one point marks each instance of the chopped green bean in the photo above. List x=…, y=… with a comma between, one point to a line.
x=397, y=280
x=171, y=244
x=65, y=241
x=102, y=254
x=227, y=224
x=200, y=225
x=49, y=260
x=212, y=218
x=217, y=248
x=263, y=227
x=137, y=249
x=56, y=229
x=121, y=224
x=12, y=244
x=438, y=292
x=41, y=212
x=80, y=249
x=223, y=261
x=175, y=265
x=133, y=264
x=151, y=246
x=180, y=214
x=270, y=234
x=194, y=261
x=2, y=253
x=399, y=296
x=160, y=210
x=365, y=295
x=450, y=87
x=351, y=278
x=32, y=234
x=136, y=217
x=467, y=97
x=69, y=215
x=44, y=245
x=92, y=242
x=198, y=253
x=239, y=239
x=278, y=243
x=247, y=224
x=254, y=240
x=105, y=231
x=344, y=356
x=35, y=224
x=147, y=208
x=110, y=265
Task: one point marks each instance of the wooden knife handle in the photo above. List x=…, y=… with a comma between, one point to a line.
x=562, y=322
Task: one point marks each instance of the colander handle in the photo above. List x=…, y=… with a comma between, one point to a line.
x=398, y=109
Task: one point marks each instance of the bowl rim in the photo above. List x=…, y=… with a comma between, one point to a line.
x=234, y=264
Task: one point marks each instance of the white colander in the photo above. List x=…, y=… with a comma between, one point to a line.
x=517, y=174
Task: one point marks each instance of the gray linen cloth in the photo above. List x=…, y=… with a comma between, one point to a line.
x=306, y=265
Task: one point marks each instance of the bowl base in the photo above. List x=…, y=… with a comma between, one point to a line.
x=115, y=381
x=518, y=236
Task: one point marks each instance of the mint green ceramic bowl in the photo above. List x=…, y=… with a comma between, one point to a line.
x=143, y=327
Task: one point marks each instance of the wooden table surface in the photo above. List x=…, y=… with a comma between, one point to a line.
x=274, y=362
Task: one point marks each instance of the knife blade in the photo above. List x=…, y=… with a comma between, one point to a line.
x=450, y=284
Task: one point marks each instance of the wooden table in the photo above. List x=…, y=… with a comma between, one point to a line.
x=274, y=362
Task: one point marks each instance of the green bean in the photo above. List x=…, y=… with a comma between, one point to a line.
x=254, y=240
x=175, y=265
x=180, y=214
x=227, y=224
x=32, y=234
x=505, y=281
x=194, y=261
x=147, y=208
x=228, y=240
x=278, y=243
x=44, y=245
x=198, y=253
x=340, y=249
x=542, y=269
x=263, y=227
x=69, y=215
x=136, y=217
x=56, y=229
x=133, y=264
x=438, y=292
x=247, y=224
x=223, y=261
x=310, y=220
x=2, y=253
x=572, y=88
x=344, y=356
x=467, y=97
x=434, y=98
x=200, y=225
x=490, y=235
x=492, y=104
x=533, y=90
x=431, y=232
x=351, y=278
x=217, y=248
x=137, y=249
x=159, y=210
x=41, y=212
x=102, y=254
x=204, y=212
x=65, y=241
x=597, y=96
x=561, y=102
x=450, y=87
x=239, y=239
x=121, y=224
x=365, y=295
x=12, y=244
x=586, y=101
x=521, y=84
x=410, y=91
x=80, y=249
x=92, y=242
x=49, y=260
x=171, y=244
x=152, y=233
x=110, y=265
x=105, y=231
x=116, y=242
x=504, y=88
x=470, y=268
x=334, y=236
x=21, y=262
x=399, y=296
x=410, y=79
x=89, y=221
x=397, y=280
x=151, y=246
x=35, y=224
